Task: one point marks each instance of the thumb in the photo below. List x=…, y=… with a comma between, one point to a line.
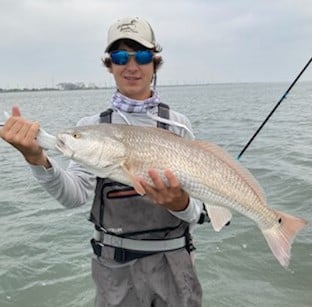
x=16, y=111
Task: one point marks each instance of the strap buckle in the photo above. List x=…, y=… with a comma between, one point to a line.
x=97, y=247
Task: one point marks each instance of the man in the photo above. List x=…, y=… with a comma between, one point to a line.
x=142, y=244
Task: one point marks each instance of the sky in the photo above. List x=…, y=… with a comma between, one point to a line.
x=45, y=42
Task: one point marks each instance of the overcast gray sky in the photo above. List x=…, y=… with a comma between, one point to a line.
x=44, y=42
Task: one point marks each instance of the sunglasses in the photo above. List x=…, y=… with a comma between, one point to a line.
x=122, y=57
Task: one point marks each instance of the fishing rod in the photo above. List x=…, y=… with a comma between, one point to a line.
x=274, y=109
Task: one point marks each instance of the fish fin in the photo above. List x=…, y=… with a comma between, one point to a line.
x=134, y=181
x=281, y=236
x=219, y=216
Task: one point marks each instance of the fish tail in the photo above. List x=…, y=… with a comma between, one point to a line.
x=46, y=140
x=281, y=236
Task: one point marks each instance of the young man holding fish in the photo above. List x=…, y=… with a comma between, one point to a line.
x=142, y=244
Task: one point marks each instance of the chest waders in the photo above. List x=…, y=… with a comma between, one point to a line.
x=130, y=223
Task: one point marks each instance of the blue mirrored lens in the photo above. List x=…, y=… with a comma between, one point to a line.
x=121, y=57
x=143, y=57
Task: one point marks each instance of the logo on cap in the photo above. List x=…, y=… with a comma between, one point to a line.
x=128, y=27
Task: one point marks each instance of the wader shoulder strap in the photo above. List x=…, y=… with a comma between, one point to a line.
x=106, y=116
x=163, y=112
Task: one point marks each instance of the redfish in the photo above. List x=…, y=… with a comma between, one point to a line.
x=207, y=172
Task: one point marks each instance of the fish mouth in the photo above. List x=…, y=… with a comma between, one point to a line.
x=65, y=149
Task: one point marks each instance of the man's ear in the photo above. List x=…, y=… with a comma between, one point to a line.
x=108, y=64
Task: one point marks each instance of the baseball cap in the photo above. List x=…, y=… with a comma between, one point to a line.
x=133, y=28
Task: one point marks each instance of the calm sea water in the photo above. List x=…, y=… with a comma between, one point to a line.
x=44, y=248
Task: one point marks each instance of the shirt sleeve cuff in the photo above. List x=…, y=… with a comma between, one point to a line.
x=41, y=173
x=191, y=213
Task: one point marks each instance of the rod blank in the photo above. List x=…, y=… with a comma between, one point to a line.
x=274, y=109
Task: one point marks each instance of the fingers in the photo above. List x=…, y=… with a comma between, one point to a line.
x=167, y=193
x=27, y=134
x=16, y=111
x=19, y=131
x=21, y=134
x=156, y=179
x=158, y=182
x=172, y=179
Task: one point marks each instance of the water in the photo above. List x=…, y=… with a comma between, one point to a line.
x=44, y=248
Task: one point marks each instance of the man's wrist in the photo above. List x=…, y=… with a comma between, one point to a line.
x=41, y=160
x=185, y=202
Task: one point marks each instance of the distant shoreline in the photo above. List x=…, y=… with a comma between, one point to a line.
x=45, y=89
x=74, y=87
x=77, y=88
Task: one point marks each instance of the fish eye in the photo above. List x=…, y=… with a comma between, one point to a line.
x=76, y=135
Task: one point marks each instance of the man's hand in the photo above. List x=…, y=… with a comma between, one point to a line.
x=171, y=195
x=21, y=134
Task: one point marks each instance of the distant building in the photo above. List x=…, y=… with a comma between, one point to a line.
x=69, y=86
